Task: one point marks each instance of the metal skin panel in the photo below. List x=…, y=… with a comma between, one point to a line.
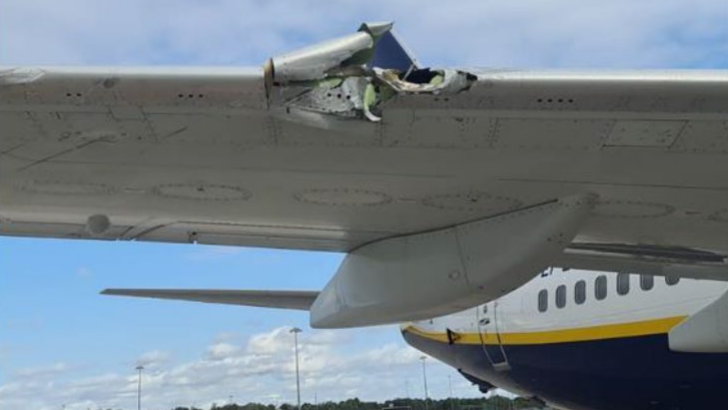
x=431, y=274
x=645, y=133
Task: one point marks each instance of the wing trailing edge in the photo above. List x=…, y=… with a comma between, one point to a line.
x=643, y=259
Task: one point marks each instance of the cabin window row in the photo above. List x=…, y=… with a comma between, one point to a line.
x=647, y=282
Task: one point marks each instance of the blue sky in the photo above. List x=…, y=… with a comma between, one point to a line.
x=62, y=343
x=53, y=312
x=58, y=332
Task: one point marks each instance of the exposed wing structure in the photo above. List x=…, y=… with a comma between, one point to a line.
x=281, y=299
x=353, y=142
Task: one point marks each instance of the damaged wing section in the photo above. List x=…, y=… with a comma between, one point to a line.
x=352, y=77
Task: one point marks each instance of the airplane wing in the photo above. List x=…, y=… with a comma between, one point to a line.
x=194, y=155
x=353, y=143
x=298, y=300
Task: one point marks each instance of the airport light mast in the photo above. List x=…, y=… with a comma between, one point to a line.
x=449, y=383
x=424, y=379
x=139, y=387
x=295, y=332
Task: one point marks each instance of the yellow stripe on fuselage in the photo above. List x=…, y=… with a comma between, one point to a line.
x=583, y=334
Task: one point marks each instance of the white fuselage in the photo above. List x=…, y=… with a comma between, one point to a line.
x=518, y=311
x=586, y=328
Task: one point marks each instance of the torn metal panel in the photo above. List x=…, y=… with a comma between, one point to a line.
x=337, y=96
x=320, y=61
x=445, y=81
x=345, y=56
x=352, y=77
x=377, y=29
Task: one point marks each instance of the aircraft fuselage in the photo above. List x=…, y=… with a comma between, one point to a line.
x=584, y=341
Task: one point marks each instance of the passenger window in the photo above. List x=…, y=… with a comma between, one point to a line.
x=543, y=300
x=600, y=287
x=672, y=280
x=623, y=283
x=647, y=282
x=580, y=292
x=561, y=296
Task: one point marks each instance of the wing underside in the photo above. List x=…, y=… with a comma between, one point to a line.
x=221, y=169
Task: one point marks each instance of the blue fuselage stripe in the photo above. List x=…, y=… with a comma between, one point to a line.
x=632, y=373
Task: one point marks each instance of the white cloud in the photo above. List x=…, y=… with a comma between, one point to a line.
x=260, y=368
x=42, y=372
x=275, y=342
x=222, y=350
x=153, y=358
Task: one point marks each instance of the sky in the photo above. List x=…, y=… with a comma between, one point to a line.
x=62, y=343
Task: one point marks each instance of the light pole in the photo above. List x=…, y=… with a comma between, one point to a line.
x=139, y=387
x=449, y=383
x=424, y=378
x=295, y=332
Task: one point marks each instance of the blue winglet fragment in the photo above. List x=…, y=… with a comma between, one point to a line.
x=391, y=53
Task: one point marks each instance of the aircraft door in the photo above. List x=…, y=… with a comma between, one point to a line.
x=490, y=339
